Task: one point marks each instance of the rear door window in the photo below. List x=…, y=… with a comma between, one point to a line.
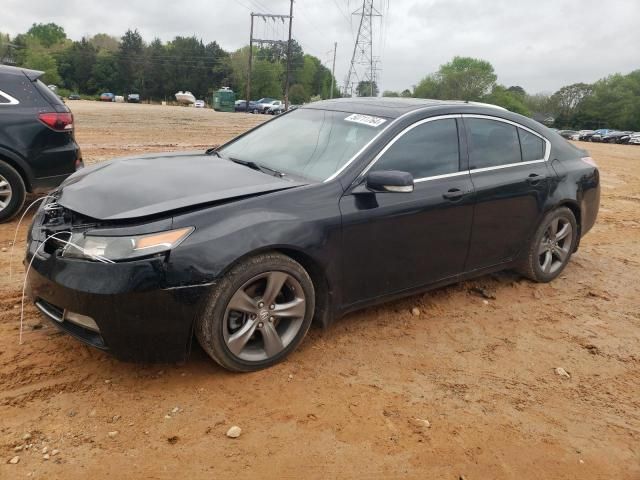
x=492, y=143
x=427, y=150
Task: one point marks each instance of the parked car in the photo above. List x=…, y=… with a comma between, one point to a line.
x=634, y=138
x=276, y=109
x=598, y=134
x=199, y=104
x=616, y=137
x=568, y=134
x=74, y=96
x=585, y=135
x=107, y=97
x=264, y=104
x=335, y=206
x=241, y=106
x=37, y=146
x=133, y=98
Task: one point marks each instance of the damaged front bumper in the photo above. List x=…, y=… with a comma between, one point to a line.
x=124, y=308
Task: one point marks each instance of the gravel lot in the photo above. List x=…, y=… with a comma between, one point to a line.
x=466, y=388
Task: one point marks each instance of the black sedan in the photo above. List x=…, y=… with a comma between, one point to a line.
x=326, y=209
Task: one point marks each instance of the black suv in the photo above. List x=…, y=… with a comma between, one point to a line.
x=37, y=146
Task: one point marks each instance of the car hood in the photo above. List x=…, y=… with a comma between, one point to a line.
x=147, y=185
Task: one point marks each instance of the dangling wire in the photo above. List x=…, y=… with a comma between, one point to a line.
x=26, y=275
x=15, y=236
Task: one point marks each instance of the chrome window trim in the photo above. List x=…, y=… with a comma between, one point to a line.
x=402, y=133
x=438, y=177
x=12, y=101
x=547, y=152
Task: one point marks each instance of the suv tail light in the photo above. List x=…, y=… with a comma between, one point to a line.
x=60, y=122
x=590, y=161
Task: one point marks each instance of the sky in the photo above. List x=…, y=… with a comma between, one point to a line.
x=540, y=45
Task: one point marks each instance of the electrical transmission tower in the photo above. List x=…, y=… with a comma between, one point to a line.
x=363, y=63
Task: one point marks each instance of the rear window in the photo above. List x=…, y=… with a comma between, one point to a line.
x=49, y=96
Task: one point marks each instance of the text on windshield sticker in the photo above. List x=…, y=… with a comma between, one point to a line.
x=365, y=120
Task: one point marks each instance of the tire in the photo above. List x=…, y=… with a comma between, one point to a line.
x=12, y=192
x=536, y=264
x=237, y=339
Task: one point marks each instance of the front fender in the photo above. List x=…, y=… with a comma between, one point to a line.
x=305, y=220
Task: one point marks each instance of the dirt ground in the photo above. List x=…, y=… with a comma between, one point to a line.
x=352, y=401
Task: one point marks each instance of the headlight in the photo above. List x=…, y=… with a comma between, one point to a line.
x=95, y=247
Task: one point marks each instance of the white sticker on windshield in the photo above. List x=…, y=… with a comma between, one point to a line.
x=365, y=120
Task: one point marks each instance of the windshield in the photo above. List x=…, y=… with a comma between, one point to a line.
x=308, y=143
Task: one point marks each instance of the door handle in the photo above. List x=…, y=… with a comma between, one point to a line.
x=534, y=178
x=453, y=194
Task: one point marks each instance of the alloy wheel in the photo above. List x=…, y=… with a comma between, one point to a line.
x=5, y=193
x=555, y=246
x=264, y=316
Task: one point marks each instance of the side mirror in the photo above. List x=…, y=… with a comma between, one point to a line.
x=389, y=181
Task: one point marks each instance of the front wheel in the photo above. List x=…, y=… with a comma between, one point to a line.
x=258, y=313
x=551, y=246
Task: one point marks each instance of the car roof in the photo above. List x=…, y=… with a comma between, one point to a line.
x=390, y=107
x=31, y=74
x=394, y=107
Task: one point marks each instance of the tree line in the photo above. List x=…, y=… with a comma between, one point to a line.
x=157, y=70
x=612, y=102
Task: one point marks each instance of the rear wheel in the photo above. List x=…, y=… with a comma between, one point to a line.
x=12, y=192
x=551, y=246
x=258, y=313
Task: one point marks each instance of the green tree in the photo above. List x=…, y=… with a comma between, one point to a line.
x=131, y=62
x=508, y=99
x=104, y=41
x=390, y=93
x=47, y=34
x=105, y=76
x=75, y=65
x=37, y=58
x=518, y=90
x=429, y=87
x=464, y=78
x=567, y=101
x=365, y=87
x=298, y=94
x=406, y=93
x=266, y=79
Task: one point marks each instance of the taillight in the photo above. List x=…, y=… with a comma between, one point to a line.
x=590, y=161
x=60, y=122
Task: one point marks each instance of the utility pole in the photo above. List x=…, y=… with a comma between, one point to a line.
x=249, y=71
x=263, y=41
x=286, y=85
x=333, y=68
x=362, y=68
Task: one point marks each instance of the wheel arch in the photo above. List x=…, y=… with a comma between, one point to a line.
x=18, y=165
x=577, y=213
x=322, y=315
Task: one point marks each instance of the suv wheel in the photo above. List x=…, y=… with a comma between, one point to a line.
x=551, y=246
x=12, y=192
x=258, y=313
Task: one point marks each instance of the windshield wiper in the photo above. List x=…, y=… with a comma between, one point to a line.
x=213, y=151
x=256, y=166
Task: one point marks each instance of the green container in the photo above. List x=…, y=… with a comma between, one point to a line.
x=224, y=100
